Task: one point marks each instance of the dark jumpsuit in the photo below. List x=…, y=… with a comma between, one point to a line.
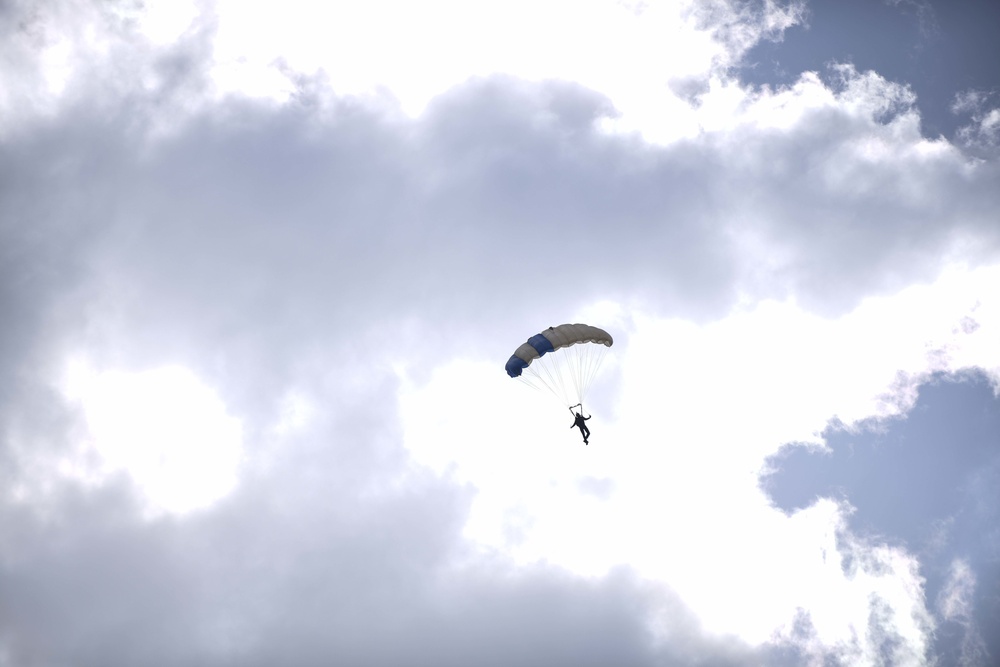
x=579, y=422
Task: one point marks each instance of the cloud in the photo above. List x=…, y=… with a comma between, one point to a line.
x=337, y=549
x=982, y=133
x=191, y=446
x=331, y=273
x=740, y=26
x=937, y=50
x=918, y=482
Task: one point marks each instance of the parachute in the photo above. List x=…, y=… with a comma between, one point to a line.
x=563, y=360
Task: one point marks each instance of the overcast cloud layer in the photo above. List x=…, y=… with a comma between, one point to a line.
x=256, y=305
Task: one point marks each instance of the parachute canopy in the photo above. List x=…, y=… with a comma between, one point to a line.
x=563, y=359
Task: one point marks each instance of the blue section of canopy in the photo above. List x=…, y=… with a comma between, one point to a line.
x=541, y=344
x=523, y=356
x=515, y=365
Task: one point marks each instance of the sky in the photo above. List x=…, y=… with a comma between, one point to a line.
x=262, y=264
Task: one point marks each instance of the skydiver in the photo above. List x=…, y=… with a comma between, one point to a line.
x=578, y=421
